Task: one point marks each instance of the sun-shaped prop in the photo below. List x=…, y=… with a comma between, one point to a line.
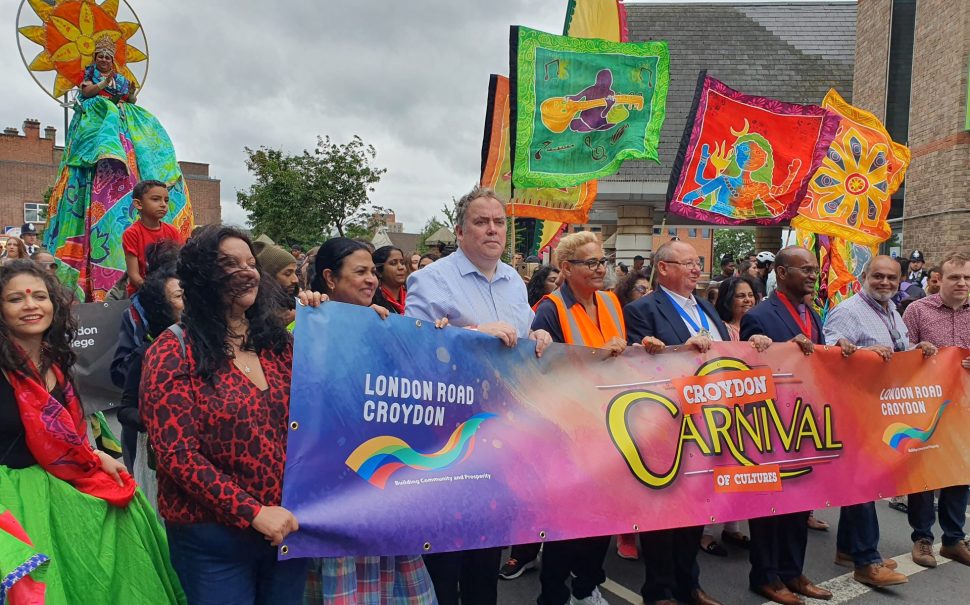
x=68, y=33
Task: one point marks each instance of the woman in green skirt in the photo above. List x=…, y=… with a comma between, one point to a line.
x=91, y=535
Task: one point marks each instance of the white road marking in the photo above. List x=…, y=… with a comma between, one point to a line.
x=844, y=588
x=622, y=591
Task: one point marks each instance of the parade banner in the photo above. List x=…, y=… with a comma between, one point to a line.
x=746, y=159
x=583, y=106
x=405, y=438
x=849, y=196
x=97, y=338
x=567, y=205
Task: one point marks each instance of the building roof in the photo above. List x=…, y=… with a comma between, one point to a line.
x=790, y=51
x=407, y=242
x=442, y=236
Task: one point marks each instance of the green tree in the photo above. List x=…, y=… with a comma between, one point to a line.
x=736, y=242
x=451, y=213
x=427, y=231
x=302, y=198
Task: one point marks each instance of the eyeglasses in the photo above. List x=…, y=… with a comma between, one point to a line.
x=690, y=264
x=591, y=263
x=806, y=270
x=640, y=289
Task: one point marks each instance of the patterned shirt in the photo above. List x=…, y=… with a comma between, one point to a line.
x=928, y=319
x=859, y=323
x=221, y=447
x=454, y=288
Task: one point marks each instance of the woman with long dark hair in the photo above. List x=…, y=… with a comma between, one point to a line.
x=345, y=271
x=77, y=508
x=392, y=274
x=215, y=397
x=544, y=281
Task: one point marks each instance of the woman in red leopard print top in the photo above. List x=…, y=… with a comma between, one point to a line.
x=216, y=404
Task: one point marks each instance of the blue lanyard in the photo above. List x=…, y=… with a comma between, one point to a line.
x=690, y=320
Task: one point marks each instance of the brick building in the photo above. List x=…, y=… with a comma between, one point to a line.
x=28, y=167
x=911, y=71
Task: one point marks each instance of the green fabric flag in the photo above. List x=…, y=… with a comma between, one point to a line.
x=582, y=106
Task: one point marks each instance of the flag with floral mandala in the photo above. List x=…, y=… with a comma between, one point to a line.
x=849, y=196
x=583, y=106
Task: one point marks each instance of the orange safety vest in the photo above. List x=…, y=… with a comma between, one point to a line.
x=579, y=329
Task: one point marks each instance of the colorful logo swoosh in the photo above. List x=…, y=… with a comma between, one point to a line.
x=377, y=459
x=897, y=434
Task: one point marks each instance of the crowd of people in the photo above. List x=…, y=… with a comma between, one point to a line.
x=204, y=361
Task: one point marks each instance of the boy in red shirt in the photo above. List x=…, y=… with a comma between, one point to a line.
x=151, y=201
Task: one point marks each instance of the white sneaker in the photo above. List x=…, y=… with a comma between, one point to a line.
x=594, y=599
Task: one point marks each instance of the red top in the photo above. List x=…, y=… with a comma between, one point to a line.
x=221, y=447
x=137, y=237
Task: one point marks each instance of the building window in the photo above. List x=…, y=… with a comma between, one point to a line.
x=702, y=263
x=596, y=229
x=705, y=233
x=656, y=230
x=672, y=231
x=692, y=233
x=35, y=213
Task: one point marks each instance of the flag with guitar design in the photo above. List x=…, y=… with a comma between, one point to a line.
x=583, y=106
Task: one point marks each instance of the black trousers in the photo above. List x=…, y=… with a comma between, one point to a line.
x=583, y=557
x=670, y=559
x=469, y=577
x=777, y=548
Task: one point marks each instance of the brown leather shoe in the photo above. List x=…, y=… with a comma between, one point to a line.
x=878, y=576
x=699, y=597
x=845, y=560
x=959, y=552
x=923, y=553
x=779, y=593
x=805, y=587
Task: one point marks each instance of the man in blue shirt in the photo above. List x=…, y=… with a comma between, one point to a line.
x=474, y=289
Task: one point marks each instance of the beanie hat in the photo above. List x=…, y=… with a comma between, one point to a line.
x=272, y=259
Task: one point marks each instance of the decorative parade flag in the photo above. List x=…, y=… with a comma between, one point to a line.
x=746, y=159
x=849, y=196
x=582, y=106
x=566, y=205
x=842, y=264
x=604, y=19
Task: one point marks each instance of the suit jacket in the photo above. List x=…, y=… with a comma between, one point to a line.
x=655, y=315
x=772, y=319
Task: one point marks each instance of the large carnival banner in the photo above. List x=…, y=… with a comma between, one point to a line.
x=405, y=438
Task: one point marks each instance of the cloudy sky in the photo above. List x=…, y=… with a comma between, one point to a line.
x=408, y=77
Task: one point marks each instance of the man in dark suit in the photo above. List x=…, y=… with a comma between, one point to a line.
x=778, y=543
x=671, y=315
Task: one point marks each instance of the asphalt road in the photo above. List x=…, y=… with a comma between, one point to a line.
x=727, y=578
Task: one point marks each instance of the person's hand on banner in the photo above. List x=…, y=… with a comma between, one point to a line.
x=440, y=323
x=882, y=350
x=615, y=346
x=760, y=342
x=804, y=343
x=701, y=342
x=501, y=330
x=652, y=345
x=928, y=349
x=383, y=312
x=543, y=339
x=275, y=523
x=847, y=347
x=112, y=467
x=965, y=363
x=308, y=298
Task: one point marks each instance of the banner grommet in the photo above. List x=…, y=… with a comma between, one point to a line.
x=542, y=535
x=417, y=322
x=636, y=527
x=294, y=425
x=427, y=546
x=284, y=549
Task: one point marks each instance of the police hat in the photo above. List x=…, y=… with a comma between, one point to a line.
x=28, y=229
x=916, y=256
